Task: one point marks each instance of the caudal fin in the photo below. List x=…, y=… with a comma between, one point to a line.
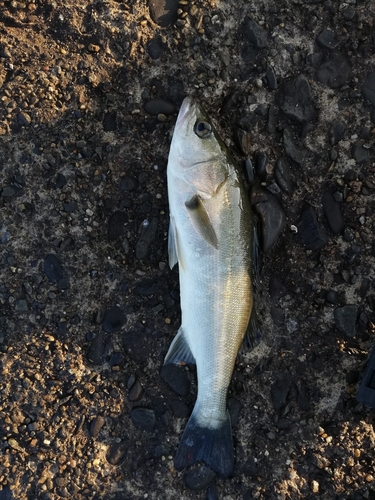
x=212, y=446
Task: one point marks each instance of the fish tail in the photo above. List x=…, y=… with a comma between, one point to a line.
x=213, y=446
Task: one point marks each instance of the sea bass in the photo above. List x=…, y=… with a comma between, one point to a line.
x=210, y=236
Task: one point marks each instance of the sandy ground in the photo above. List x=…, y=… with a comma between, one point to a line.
x=89, y=93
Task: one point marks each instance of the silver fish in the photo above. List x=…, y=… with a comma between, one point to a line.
x=210, y=236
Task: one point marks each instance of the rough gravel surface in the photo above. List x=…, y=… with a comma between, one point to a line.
x=89, y=93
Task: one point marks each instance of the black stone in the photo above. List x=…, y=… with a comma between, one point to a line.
x=53, y=268
x=360, y=154
x=143, y=419
x=283, y=175
x=279, y=393
x=95, y=352
x=110, y=121
x=179, y=408
x=292, y=147
x=135, y=392
x=277, y=288
x=163, y=12
x=113, y=320
x=332, y=212
x=250, y=467
x=117, y=452
x=278, y=315
x=157, y=106
x=23, y=119
x=212, y=493
x=328, y=39
x=311, y=233
x=128, y=184
x=335, y=72
x=70, y=207
x=116, y=359
x=337, y=132
x=177, y=378
x=148, y=236
x=95, y=425
x=155, y=48
x=261, y=163
x=345, y=319
x=368, y=88
x=271, y=79
x=271, y=214
x=199, y=478
x=332, y=297
x=255, y=34
x=116, y=225
x=60, y=181
x=294, y=99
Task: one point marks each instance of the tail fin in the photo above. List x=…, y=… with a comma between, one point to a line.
x=214, y=446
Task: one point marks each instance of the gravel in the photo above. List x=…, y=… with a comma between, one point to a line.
x=89, y=94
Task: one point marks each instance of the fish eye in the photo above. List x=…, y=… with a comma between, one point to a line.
x=203, y=129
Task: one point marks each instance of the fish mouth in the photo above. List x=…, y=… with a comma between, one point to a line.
x=185, y=110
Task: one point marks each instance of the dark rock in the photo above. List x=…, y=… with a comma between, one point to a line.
x=128, y=184
x=315, y=59
x=177, y=378
x=332, y=212
x=345, y=319
x=149, y=286
x=250, y=467
x=96, y=424
x=143, y=419
x=283, y=175
x=368, y=88
x=63, y=283
x=271, y=215
x=278, y=315
x=249, y=170
x=292, y=148
x=70, y=207
x=60, y=181
x=116, y=359
x=311, y=233
x=328, y=39
x=117, y=452
x=260, y=163
x=283, y=424
x=53, y=268
x=279, y=393
x=116, y=225
x=110, y=121
x=294, y=99
x=23, y=119
x=303, y=399
x=113, y=320
x=163, y=12
x=199, y=478
x=335, y=72
x=255, y=34
x=95, y=352
x=243, y=141
x=135, y=392
x=157, y=106
x=348, y=14
x=21, y=306
x=360, y=154
x=332, y=297
x=271, y=79
x=212, y=493
x=179, y=408
x=148, y=236
x=8, y=191
x=155, y=48
x=337, y=132
x=277, y=289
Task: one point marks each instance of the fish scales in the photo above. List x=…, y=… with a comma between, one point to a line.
x=211, y=238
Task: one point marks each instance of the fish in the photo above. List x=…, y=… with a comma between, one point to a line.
x=211, y=238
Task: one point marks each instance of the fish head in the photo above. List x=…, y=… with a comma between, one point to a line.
x=197, y=154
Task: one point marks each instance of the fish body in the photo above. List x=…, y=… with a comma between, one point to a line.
x=210, y=236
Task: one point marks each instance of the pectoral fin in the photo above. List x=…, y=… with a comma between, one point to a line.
x=201, y=220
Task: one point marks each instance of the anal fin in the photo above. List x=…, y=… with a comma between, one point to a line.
x=179, y=350
x=253, y=332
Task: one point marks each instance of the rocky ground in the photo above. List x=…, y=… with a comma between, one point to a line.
x=89, y=93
